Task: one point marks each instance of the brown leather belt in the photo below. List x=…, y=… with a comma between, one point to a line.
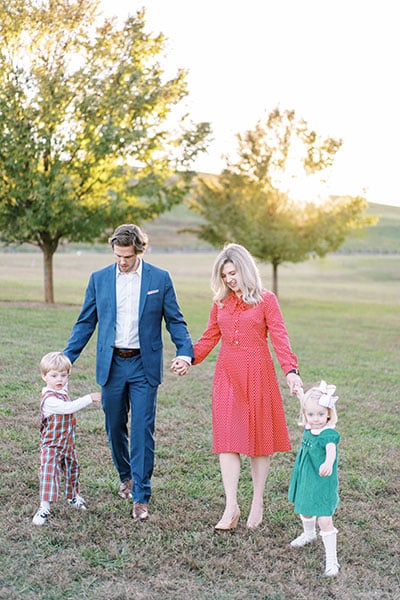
x=128, y=353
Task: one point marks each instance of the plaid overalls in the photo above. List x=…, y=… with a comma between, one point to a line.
x=57, y=452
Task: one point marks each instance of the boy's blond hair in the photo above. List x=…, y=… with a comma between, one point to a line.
x=56, y=361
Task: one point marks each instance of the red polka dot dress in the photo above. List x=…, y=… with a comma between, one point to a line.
x=247, y=407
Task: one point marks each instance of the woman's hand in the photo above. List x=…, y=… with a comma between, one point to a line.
x=295, y=383
x=179, y=366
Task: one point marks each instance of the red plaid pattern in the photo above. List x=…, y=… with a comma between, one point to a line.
x=57, y=453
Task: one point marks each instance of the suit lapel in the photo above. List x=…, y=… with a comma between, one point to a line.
x=111, y=285
x=144, y=286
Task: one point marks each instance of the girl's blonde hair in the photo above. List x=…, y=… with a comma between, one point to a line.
x=315, y=393
x=56, y=361
x=246, y=268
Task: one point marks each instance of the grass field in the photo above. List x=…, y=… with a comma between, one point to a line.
x=343, y=318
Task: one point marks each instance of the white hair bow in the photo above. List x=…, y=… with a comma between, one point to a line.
x=327, y=399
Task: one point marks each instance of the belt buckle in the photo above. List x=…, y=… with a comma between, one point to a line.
x=129, y=353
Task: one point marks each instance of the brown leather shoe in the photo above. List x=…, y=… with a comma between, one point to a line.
x=125, y=489
x=140, y=512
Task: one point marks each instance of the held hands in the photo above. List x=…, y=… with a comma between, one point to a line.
x=179, y=366
x=295, y=383
x=96, y=397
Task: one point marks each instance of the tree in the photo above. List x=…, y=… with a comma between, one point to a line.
x=86, y=140
x=246, y=205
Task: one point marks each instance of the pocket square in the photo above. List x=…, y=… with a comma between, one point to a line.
x=152, y=292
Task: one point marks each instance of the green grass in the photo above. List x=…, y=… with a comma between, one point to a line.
x=342, y=314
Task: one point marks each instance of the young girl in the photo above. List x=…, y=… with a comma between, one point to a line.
x=314, y=483
x=57, y=435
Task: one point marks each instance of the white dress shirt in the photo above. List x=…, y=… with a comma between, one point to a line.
x=128, y=294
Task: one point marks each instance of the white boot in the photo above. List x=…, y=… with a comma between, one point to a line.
x=331, y=564
x=309, y=535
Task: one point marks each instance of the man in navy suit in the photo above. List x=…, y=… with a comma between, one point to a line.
x=127, y=302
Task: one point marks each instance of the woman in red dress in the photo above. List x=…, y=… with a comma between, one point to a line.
x=247, y=408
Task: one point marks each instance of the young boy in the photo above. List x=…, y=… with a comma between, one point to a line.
x=57, y=435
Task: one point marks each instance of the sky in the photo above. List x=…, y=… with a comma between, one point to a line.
x=335, y=62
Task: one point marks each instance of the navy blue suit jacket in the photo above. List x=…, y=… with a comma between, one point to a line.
x=157, y=302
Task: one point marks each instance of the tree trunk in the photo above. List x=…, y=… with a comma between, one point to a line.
x=48, y=274
x=275, y=278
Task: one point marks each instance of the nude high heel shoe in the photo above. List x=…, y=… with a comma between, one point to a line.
x=224, y=525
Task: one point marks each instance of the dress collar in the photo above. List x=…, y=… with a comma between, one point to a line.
x=318, y=431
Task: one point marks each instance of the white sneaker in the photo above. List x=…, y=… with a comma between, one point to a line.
x=303, y=540
x=332, y=569
x=78, y=502
x=41, y=515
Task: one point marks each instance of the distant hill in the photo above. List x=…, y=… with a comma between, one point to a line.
x=382, y=238
x=166, y=231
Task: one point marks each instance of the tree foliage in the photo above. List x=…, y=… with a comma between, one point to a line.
x=246, y=205
x=86, y=140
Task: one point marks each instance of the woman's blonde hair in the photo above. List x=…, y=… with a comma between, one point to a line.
x=246, y=268
x=56, y=361
x=315, y=393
